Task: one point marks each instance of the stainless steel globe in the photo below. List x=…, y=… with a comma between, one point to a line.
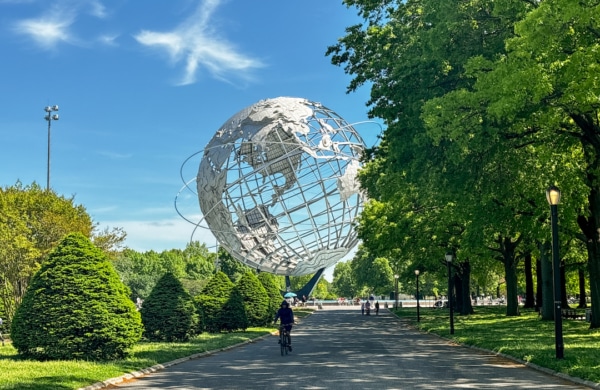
x=277, y=186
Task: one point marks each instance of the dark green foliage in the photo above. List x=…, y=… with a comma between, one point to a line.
x=230, y=266
x=211, y=301
x=76, y=307
x=217, y=306
x=169, y=313
x=256, y=299
x=271, y=285
x=233, y=316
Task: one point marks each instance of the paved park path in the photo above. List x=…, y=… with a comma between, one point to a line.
x=338, y=348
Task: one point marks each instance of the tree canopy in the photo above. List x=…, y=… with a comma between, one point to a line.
x=486, y=104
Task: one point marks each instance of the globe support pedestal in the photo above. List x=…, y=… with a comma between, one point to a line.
x=308, y=287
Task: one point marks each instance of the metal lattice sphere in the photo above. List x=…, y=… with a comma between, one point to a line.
x=277, y=186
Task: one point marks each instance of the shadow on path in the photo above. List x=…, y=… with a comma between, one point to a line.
x=341, y=349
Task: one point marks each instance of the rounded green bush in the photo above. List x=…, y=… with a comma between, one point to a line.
x=169, y=312
x=255, y=298
x=76, y=307
x=233, y=315
x=269, y=282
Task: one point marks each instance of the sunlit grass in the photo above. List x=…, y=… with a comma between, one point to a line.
x=525, y=337
x=16, y=373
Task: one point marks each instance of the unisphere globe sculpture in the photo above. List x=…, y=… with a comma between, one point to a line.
x=277, y=186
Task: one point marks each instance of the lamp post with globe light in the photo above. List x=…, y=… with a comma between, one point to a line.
x=418, y=314
x=553, y=197
x=396, y=276
x=49, y=117
x=449, y=258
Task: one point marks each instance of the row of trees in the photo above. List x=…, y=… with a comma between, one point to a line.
x=486, y=103
x=34, y=220
x=77, y=307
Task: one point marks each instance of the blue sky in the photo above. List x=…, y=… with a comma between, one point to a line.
x=143, y=85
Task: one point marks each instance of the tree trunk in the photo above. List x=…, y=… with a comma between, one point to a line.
x=529, y=297
x=458, y=290
x=594, y=272
x=464, y=298
x=539, y=290
x=510, y=261
x=582, y=300
x=512, y=301
x=547, y=289
x=589, y=227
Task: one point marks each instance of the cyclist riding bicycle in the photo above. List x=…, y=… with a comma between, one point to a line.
x=286, y=315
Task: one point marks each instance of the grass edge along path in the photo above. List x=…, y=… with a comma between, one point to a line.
x=525, y=339
x=145, y=357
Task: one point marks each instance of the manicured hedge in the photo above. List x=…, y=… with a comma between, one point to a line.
x=221, y=306
x=76, y=307
x=255, y=298
x=169, y=312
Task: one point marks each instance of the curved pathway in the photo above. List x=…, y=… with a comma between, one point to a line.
x=338, y=348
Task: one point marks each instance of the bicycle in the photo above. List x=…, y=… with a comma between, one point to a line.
x=284, y=340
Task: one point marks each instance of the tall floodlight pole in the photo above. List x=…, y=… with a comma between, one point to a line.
x=49, y=117
x=418, y=314
x=553, y=197
x=396, y=276
x=449, y=258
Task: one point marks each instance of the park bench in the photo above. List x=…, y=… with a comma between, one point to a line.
x=572, y=314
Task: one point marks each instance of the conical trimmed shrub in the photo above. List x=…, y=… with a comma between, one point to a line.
x=269, y=282
x=220, y=307
x=255, y=298
x=233, y=315
x=76, y=307
x=169, y=312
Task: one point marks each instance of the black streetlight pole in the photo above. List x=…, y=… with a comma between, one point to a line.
x=396, y=276
x=553, y=196
x=449, y=258
x=418, y=314
x=49, y=117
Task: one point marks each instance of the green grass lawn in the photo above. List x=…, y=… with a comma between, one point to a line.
x=525, y=337
x=16, y=373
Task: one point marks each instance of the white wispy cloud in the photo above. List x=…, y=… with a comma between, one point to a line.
x=195, y=43
x=96, y=8
x=114, y=155
x=47, y=31
x=108, y=40
x=54, y=25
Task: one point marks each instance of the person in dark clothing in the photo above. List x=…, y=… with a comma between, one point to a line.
x=286, y=315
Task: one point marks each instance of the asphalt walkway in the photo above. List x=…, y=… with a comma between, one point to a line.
x=338, y=348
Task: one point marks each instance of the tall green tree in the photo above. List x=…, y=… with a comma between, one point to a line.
x=32, y=223
x=343, y=283
x=371, y=272
x=412, y=52
x=231, y=267
x=544, y=92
